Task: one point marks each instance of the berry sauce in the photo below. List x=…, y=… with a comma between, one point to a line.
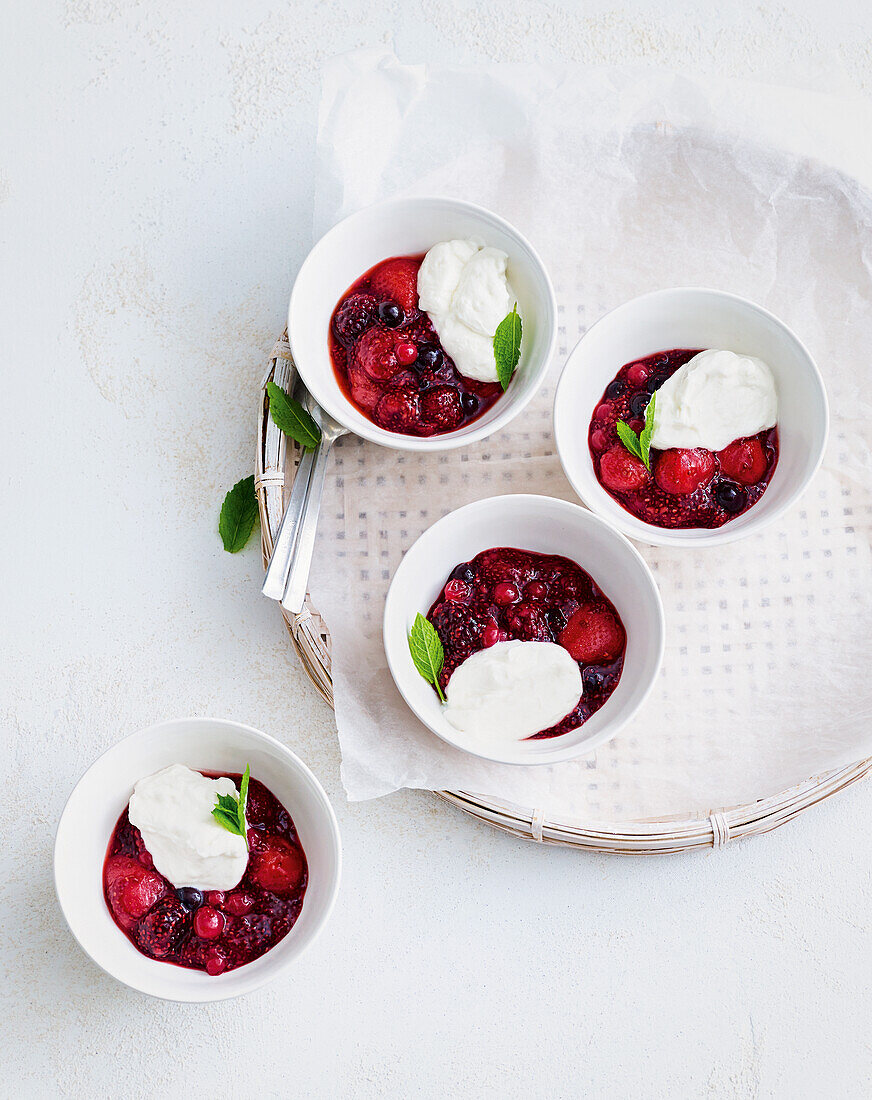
x=389, y=362
x=503, y=594
x=685, y=488
x=218, y=930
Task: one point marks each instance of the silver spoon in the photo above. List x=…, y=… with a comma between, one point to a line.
x=304, y=545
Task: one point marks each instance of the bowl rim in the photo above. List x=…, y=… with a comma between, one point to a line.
x=475, y=432
x=560, y=753
x=691, y=538
x=267, y=975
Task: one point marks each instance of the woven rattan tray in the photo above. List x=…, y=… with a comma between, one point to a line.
x=276, y=462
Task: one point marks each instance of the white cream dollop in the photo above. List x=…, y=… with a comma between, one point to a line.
x=511, y=691
x=463, y=288
x=173, y=811
x=716, y=397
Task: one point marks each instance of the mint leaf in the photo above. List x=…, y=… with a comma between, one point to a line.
x=507, y=346
x=630, y=440
x=238, y=516
x=427, y=652
x=291, y=418
x=645, y=437
x=229, y=812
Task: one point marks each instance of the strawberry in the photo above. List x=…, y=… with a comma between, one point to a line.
x=441, y=407
x=743, y=461
x=681, y=471
x=593, y=635
x=363, y=390
x=131, y=889
x=399, y=410
x=622, y=472
x=375, y=353
x=397, y=280
x=278, y=866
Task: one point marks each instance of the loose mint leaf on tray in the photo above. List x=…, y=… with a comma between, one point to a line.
x=238, y=515
x=290, y=416
x=507, y=346
x=425, y=646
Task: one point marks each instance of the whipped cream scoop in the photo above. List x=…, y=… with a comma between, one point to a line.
x=173, y=811
x=714, y=398
x=512, y=690
x=463, y=288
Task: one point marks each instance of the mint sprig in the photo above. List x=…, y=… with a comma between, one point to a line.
x=639, y=445
x=229, y=812
x=428, y=655
x=238, y=515
x=290, y=416
x=507, y=346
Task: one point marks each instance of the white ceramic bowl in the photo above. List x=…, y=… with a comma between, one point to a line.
x=548, y=526
x=97, y=801
x=689, y=317
x=407, y=226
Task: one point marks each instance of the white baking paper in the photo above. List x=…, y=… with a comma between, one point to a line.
x=627, y=181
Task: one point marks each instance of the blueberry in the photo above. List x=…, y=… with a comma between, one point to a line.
x=469, y=402
x=556, y=620
x=463, y=572
x=638, y=403
x=592, y=679
x=615, y=389
x=732, y=498
x=391, y=314
x=655, y=382
x=430, y=357
x=190, y=897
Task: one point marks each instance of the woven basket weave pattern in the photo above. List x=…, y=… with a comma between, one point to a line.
x=276, y=461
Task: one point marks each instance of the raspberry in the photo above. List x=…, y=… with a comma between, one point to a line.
x=399, y=410
x=354, y=316
x=593, y=635
x=162, y=929
x=375, y=352
x=682, y=471
x=397, y=280
x=528, y=622
x=442, y=407
x=622, y=472
x=279, y=867
x=743, y=461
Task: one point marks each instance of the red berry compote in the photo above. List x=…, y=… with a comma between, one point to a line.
x=505, y=594
x=686, y=487
x=389, y=362
x=216, y=930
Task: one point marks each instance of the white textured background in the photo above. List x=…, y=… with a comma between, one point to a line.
x=155, y=200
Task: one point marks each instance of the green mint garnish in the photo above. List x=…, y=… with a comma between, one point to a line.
x=238, y=515
x=639, y=445
x=507, y=346
x=427, y=652
x=290, y=416
x=230, y=812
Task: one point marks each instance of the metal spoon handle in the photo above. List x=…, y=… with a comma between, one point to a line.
x=301, y=557
x=276, y=579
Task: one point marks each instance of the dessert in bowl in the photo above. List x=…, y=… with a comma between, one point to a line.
x=548, y=626
x=168, y=900
x=690, y=416
x=393, y=317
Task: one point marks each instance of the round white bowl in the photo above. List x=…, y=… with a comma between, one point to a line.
x=97, y=801
x=547, y=526
x=692, y=317
x=401, y=227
